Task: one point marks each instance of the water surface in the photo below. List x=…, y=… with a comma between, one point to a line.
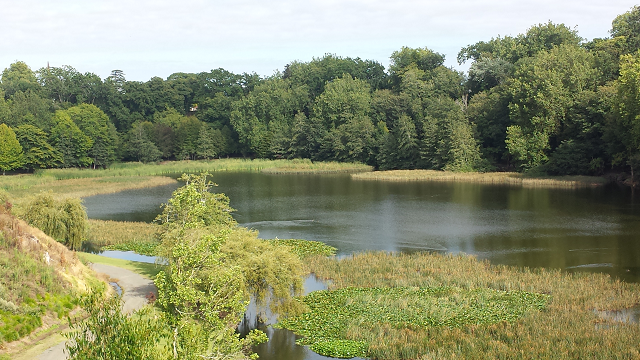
x=592, y=230
x=575, y=230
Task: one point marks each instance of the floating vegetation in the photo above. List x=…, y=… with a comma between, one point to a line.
x=142, y=248
x=306, y=248
x=332, y=313
x=443, y=306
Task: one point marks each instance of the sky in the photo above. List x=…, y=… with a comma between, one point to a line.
x=147, y=38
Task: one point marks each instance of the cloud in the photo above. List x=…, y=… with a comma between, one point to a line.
x=156, y=38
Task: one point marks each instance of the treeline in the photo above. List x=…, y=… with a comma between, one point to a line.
x=546, y=100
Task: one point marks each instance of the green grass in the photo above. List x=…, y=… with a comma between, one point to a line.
x=147, y=270
x=305, y=248
x=333, y=313
x=431, y=306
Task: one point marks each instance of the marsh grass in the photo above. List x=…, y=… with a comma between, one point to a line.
x=115, y=233
x=83, y=187
x=497, y=178
x=566, y=328
x=188, y=166
x=306, y=166
x=305, y=248
x=333, y=313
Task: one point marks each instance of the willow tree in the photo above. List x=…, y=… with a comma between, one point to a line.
x=213, y=267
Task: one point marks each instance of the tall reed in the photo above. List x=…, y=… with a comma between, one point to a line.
x=498, y=178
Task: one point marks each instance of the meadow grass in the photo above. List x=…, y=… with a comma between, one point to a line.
x=498, y=178
x=147, y=270
x=565, y=326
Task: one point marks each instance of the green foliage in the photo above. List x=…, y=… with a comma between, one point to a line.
x=624, y=127
x=627, y=28
x=96, y=125
x=142, y=248
x=65, y=221
x=326, y=327
x=107, y=333
x=70, y=141
x=139, y=147
x=545, y=93
x=38, y=153
x=193, y=206
x=11, y=155
x=203, y=290
x=18, y=77
x=305, y=248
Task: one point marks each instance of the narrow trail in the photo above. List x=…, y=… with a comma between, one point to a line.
x=135, y=288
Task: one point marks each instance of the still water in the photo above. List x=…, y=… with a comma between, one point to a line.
x=575, y=230
x=595, y=230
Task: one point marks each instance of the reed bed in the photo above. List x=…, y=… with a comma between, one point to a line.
x=83, y=187
x=109, y=233
x=197, y=166
x=566, y=327
x=305, y=166
x=497, y=178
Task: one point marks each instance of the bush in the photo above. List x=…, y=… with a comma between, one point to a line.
x=65, y=221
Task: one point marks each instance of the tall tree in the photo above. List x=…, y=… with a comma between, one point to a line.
x=627, y=27
x=18, y=77
x=70, y=141
x=96, y=125
x=11, y=156
x=38, y=153
x=545, y=92
x=623, y=132
x=139, y=147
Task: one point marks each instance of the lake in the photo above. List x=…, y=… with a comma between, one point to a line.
x=593, y=229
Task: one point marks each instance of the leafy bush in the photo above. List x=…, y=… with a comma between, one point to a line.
x=65, y=221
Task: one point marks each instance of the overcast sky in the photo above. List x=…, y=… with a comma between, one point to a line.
x=147, y=38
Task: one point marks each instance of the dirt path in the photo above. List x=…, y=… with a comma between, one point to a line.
x=135, y=287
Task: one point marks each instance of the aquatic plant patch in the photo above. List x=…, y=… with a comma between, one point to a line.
x=142, y=248
x=306, y=248
x=328, y=326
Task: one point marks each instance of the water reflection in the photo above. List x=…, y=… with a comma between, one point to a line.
x=587, y=230
x=573, y=230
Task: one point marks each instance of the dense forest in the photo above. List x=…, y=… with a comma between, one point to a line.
x=546, y=101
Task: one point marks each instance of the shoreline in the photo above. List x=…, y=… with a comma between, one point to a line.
x=492, y=178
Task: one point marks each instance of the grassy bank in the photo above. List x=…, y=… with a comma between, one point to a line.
x=499, y=178
x=179, y=167
x=125, y=176
x=39, y=283
x=147, y=270
x=20, y=189
x=426, y=306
